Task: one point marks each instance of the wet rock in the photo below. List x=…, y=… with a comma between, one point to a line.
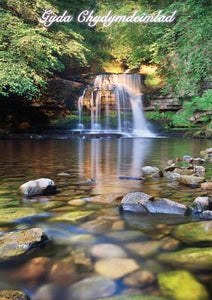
x=62, y=273
x=72, y=216
x=196, y=161
x=140, y=278
x=80, y=257
x=195, y=232
x=200, y=171
x=92, y=288
x=82, y=239
x=191, y=258
x=118, y=225
x=200, y=204
x=135, y=202
x=170, y=168
x=126, y=235
x=206, y=215
x=141, y=202
x=205, y=152
x=184, y=171
x=41, y=186
x=208, y=157
x=129, y=178
x=13, y=295
x=148, y=170
x=207, y=186
x=34, y=270
x=181, y=285
x=107, y=251
x=187, y=158
x=12, y=214
x=115, y=267
x=17, y=243
x=169, y=244
x=172, y=176
x=47, y=292
x=77, y=202
x=192, y=181
x=97, y=225
x=145, y=249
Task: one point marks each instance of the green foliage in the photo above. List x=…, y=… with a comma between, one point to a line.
x=157, y=115
x=190, y=108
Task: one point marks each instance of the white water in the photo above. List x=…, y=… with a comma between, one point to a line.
x=126, y=104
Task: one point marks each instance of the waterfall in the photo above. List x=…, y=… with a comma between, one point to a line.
x=114, y=104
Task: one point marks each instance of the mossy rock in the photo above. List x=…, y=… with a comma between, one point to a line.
x=181, y=285
x=72, y=216
x=191, y=258
x=136, y=297
x=196, y=232
x=12, y=214
x=13, y=295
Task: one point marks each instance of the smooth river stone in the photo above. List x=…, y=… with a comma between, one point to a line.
x=181, y=285
x=190, y=258
x=126, y=235
x=115, y=267
x=107, y=251
x=108, y=198
x=145, y=249
x=72, y=216
x=92, y=288
x=77, y=202
x=82, y=239
x=140, y=278
x=195, y=232
x=41, y=186
x=17, y=243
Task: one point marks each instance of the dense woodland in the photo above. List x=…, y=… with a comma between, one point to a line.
x=31, y=54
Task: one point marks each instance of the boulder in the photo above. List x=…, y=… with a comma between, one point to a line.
x=135, y=202
x=13, y=295
x=193, y=233
x=205, y=152
x=190, y=258
x=207, y=186
x=142, y=203
x=181, y=285
x=149, y=170
x=190, y=180
x=200, y=204
x=92, y=288
x=41, y=186
x=200, y=171
x=17, y=243
x=206, y=215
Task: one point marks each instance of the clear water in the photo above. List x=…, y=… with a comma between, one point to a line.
x=103, y=161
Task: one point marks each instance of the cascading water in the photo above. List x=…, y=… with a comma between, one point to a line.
x=114, y=104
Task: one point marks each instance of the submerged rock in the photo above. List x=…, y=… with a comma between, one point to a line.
x=92, y=288
x=127, y=235
x=191, y=258
x=207, y=186
x=13, y=295
x=181, y=285
x=107, y=251
x=72, y=216
x=190, y=180
x=145, y=249
x=200, y=204
x=195, y=232
x=41, y=186
x=140, y=278
x=12, y=214
x=140, y=203
x=115, y=267
x=17, y=243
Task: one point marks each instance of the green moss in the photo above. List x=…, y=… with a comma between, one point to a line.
x=195, y=232
x=191, y=258
x=181, y=285
x=72, y=216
